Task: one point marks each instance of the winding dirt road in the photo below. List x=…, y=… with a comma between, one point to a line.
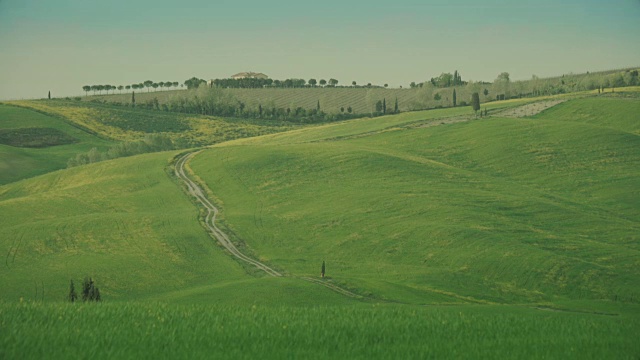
x=212, y=212
x=196, y=191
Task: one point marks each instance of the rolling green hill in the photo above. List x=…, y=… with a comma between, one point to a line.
x=519, y=236
x=489, y=211
x=27, y=152
x=127, y=224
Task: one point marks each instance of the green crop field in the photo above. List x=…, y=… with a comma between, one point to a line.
x=138, y=330
x=488, y=238
x=26, y=148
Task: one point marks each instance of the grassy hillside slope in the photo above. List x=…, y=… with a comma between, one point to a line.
x=18, y=162
x=499, y=210
x=129, y=226
x=127, y=123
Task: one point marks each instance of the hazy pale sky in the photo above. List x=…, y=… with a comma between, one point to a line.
x=64, y=44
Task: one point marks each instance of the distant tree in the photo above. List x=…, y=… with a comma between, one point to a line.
x=386, y=85
x=194, y=83
x=379, y=106
x=260, y=110
x=175, y=84
x=155, y=85
x=128, y=87
x=72, y=293
x=368, y=84
x=412, y=85
x=349, y=110
x=312, y=82
x=395, y=108
x=475, y=102
x=100, y=88
x=120, y=87
x=323, y=82
x=148, y=84
x=486, y=92
x=161, y=84
x=86, y=89
x=437, y=97
x=342, y=109
x=133, y=98
x=384, y=105
x=49, y=95
x=322, y=269
x=455, y=99
x=333, y=82
x=318, y=106
x=353, y=83
x=94, y=88
x=502, y=84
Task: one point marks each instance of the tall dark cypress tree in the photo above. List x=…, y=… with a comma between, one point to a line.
x=395, y=108
x=323, y=268
x=72, y=293
x=454, y=98
x=318, y=106
x=384, y=105
x=133, y=98
x=49, y=95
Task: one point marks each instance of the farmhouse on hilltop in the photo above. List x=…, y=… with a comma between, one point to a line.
x=249, y=75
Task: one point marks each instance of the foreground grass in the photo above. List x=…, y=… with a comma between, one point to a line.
x=137, y=330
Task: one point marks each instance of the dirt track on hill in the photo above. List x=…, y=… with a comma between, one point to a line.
x=210, y=218
x=529, y=109
x=196, y=191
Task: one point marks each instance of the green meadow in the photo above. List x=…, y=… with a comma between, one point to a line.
x=487, y=211
x=30, y=156
x=465, y=238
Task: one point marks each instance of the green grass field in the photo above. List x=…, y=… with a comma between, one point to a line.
x=488, y=238
x=498, y=210
x=19, y=162
x=138, y=330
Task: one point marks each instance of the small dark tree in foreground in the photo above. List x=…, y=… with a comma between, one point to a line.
x=475, y=102
x=72, y=293
x=89, y=291
x=49, y=95
x=323, y=268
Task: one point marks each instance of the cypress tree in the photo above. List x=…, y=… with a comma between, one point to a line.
x=454, y=97
x=395, y=108
x=49, y=95
x=87, y=284
x=72, y=293
x=384, y=105
x=133, y=98
x=323, y=268
x=475, y=102
x=318, y=106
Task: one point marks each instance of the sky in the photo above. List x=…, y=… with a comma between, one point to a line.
x=61, y=45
